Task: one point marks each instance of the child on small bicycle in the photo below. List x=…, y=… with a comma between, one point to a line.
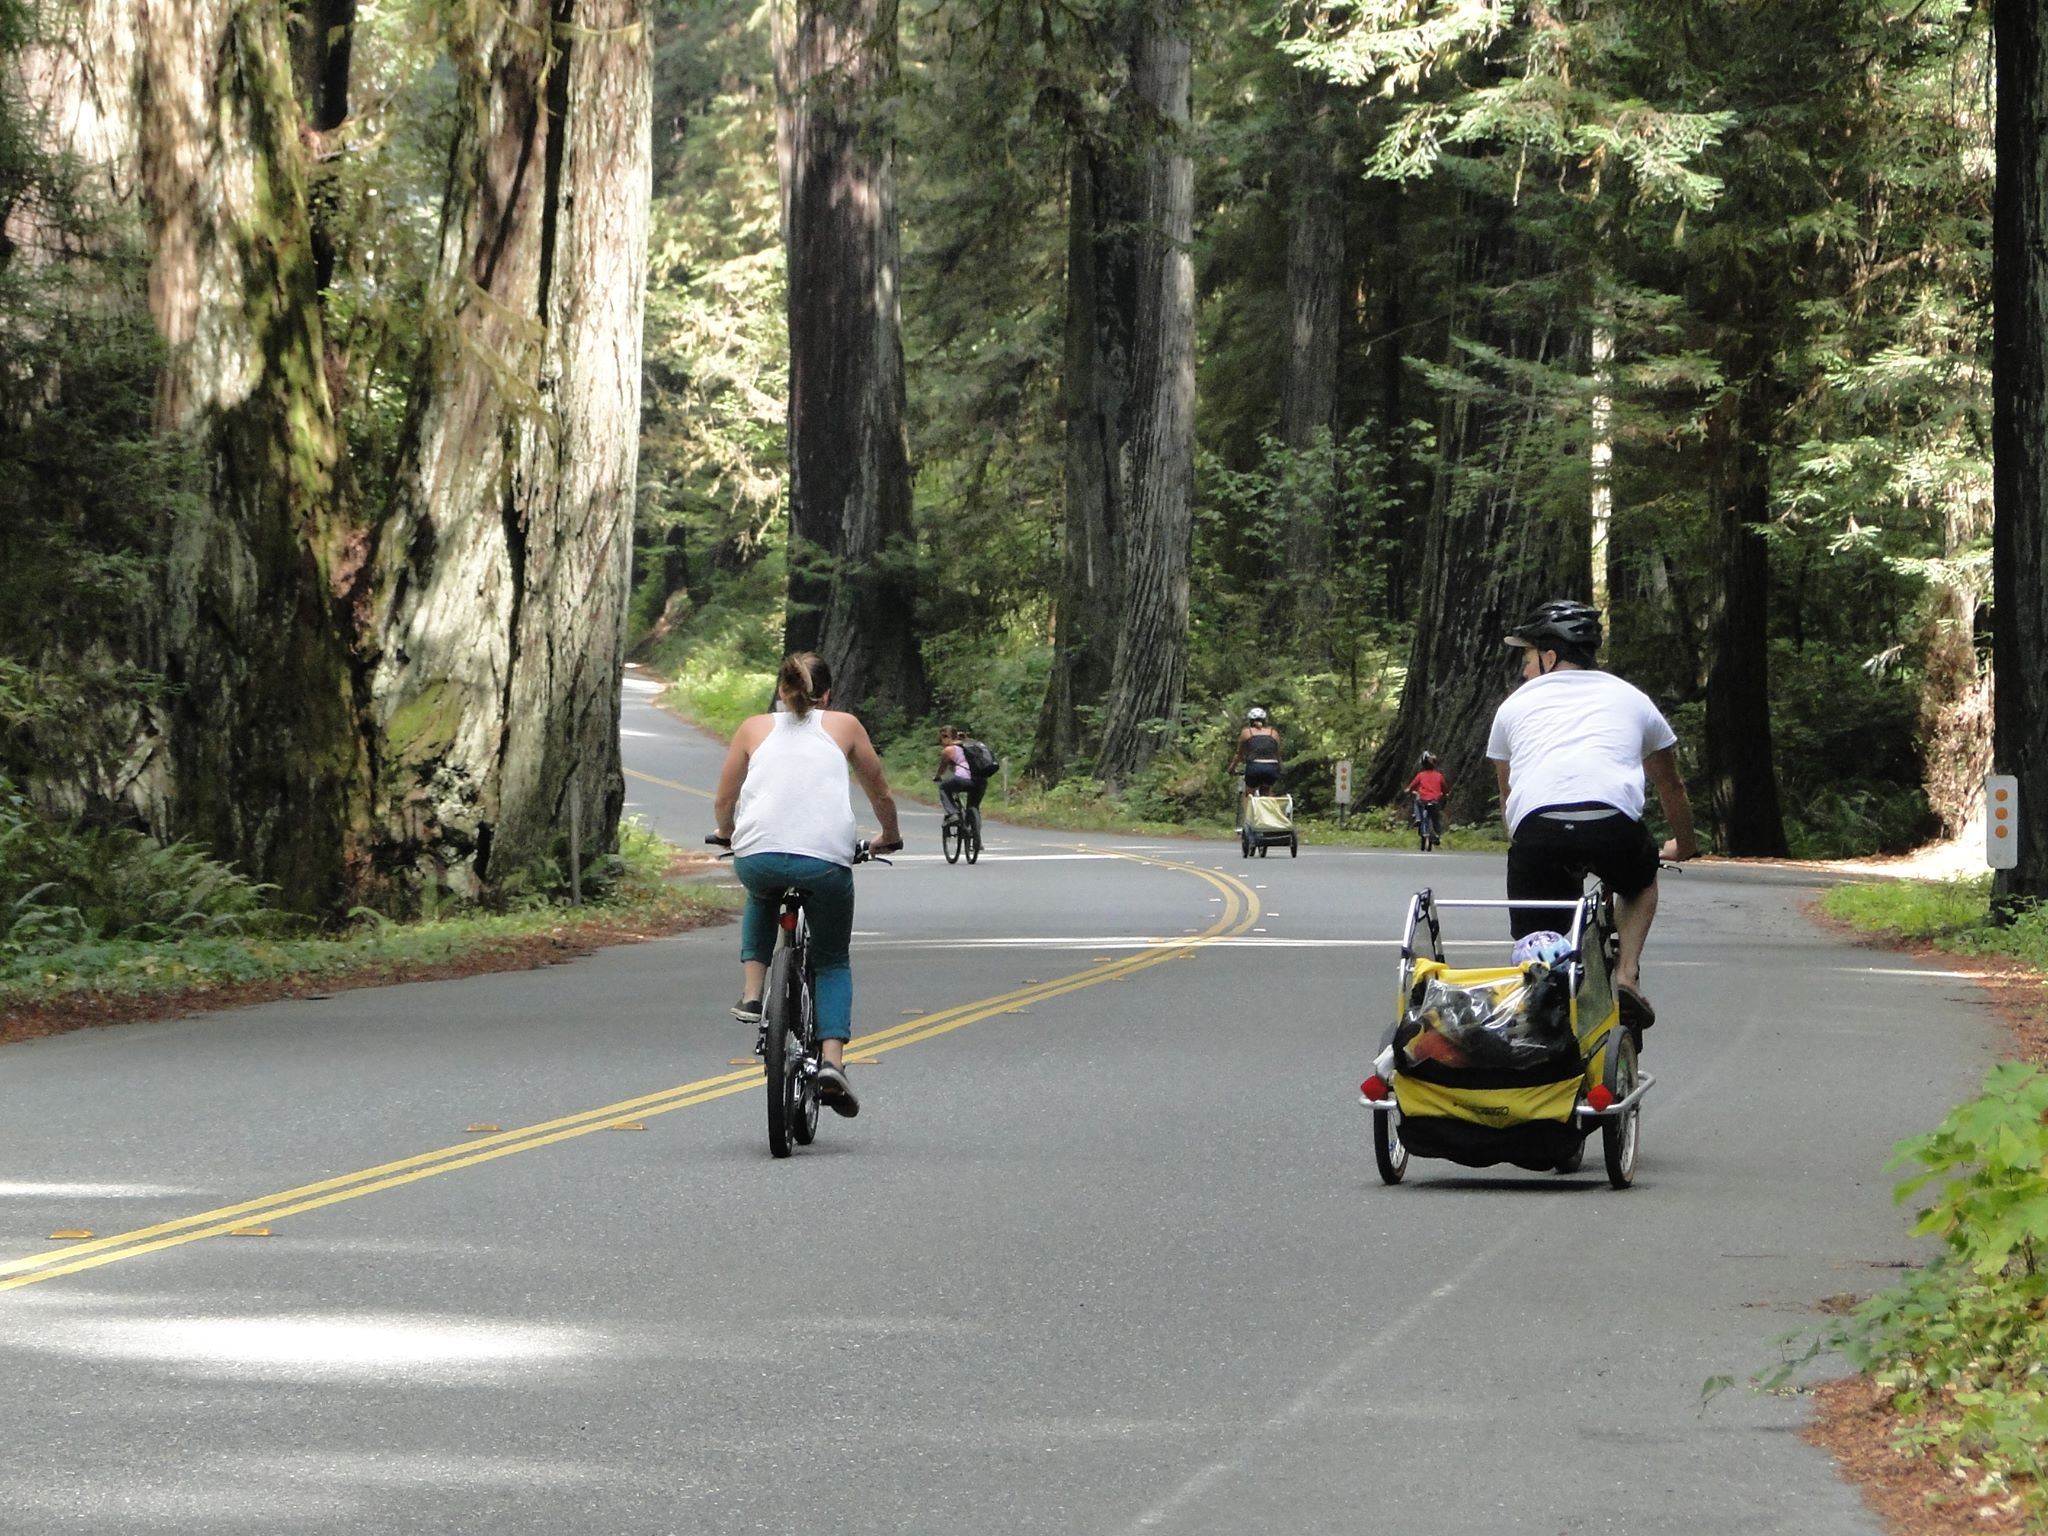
x=1426, y=793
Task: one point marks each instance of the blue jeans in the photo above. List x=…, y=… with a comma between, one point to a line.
x=828, y=901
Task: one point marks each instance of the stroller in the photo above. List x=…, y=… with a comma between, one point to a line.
x=1268, y=822
x=1516, y=1064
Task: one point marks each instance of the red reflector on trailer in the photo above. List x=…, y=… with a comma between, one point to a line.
x=788, y=921
x=1602, y=1097
x=1374, y=1087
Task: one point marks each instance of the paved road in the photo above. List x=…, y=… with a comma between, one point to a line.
x=1105, y=1252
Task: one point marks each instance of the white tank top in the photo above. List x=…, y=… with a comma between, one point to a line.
x=796, y=798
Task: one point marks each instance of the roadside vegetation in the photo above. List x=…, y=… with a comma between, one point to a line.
x=1961, y=1344
x=102, y=917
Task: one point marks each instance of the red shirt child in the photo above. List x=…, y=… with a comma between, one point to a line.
x=1429, y=784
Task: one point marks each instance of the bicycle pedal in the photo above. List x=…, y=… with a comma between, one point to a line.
x=761, y=1041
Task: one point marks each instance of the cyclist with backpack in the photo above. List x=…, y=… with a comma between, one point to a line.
x=965, y=767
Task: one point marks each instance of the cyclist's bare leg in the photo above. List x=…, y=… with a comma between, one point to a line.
x=753, y=979
x=1632, y=918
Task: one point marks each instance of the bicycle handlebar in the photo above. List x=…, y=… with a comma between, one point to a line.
x=866, y=851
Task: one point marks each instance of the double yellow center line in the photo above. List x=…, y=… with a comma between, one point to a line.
x=1240, y=911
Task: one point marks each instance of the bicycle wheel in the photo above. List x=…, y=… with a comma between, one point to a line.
x=803, y=1121
x=1388, y=1150
x=949, y=839
x=1619, y=1137
x=782, y=1048
x=970, y=835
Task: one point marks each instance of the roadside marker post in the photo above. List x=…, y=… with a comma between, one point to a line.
x=1343, y=790
x=2002, y=820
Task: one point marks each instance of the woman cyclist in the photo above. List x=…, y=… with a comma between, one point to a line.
x=958, y=787
x=784, y=806
x=1258, y=750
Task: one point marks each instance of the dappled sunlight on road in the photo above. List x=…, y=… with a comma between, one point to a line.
x=310, y=1346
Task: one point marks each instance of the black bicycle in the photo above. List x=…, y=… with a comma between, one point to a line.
x=787, y=1037
x=1426, y=816
x=961, y=834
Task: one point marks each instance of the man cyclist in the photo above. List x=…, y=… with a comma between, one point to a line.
x=785, y=810
x=1427, y=791
x=1571, y=746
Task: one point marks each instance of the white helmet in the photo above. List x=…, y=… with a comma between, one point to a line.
x=1255, y=715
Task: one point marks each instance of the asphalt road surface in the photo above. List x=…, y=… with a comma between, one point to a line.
x=1105, y=1251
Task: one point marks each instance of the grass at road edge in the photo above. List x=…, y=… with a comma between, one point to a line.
x=1953, y=1360
x=117, y=981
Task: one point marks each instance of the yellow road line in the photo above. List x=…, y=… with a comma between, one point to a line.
x=1240, y=911
x=648, y=778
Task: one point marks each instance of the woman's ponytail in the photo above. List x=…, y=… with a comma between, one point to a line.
x=804, y=679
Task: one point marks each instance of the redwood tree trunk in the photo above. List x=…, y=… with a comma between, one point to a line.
x=852, y=589
x=498, y=608
x=1488, y=554
x=1101, y=314
x=1150, y=673
x=1742, y=779
x=268, y=764
x=354, y=706
x=2019, y=540
x=1315, y=301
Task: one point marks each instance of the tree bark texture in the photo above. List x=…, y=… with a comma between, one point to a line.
x=355, y=706
x=267, y=760
x=1488, y=557
x=1149, y=676
x=1741, y=774
x=496, y=617
x=852, y=589
x=2019, y=539
x=1101, y=315
x=1315, y=308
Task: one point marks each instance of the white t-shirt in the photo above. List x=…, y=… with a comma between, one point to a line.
x=795, y=798
x=1573, y=737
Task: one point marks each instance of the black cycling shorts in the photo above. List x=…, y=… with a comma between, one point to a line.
x=1550, y=859
x=1261, y=774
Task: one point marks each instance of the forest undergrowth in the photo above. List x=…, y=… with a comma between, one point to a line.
x=104, y=924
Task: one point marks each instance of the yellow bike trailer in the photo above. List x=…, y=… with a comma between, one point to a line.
x=1515, y=1064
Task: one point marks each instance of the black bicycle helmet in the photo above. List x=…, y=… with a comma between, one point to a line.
x=1570, y=629
x=1428, y=760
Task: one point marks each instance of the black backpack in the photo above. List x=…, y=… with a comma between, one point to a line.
x=981, y=762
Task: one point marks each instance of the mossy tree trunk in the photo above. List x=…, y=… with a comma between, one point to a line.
x=357, y=707
x=268, y=764
x=496, y=617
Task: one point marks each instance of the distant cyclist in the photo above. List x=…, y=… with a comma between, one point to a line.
x=1571, y=746
x=959, y=787
x=784, y=804
x=1258, y=751
x=1427, y=791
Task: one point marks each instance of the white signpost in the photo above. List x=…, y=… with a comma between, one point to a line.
x=1343, y=790
x=2001, y=821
